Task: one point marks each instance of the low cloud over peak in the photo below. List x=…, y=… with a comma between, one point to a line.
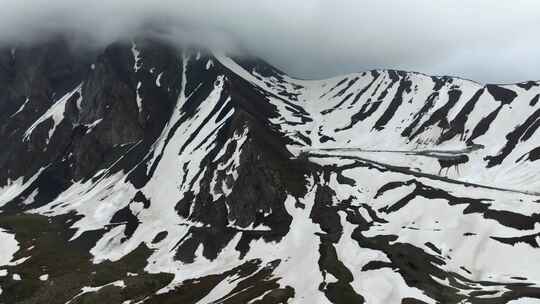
x=485, y=40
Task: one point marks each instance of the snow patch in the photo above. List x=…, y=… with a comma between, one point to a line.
x=55, y=112
x=525, y=301
x=139, y=99
x=30, y=199
x=89, y=289
x=158, y=80
x=15, y=187
x=136, y=57
x=9, y=247
x=21, y=108
x=92, y=125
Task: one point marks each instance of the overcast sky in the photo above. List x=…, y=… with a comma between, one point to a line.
x=485, y=40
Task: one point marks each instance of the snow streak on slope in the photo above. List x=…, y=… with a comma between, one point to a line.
x=55, y=113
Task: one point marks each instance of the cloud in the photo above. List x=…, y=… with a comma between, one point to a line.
x=485, y=40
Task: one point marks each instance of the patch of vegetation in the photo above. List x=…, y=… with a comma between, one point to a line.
x=69, y=266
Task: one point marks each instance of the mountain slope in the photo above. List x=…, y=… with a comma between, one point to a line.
x=148, y=174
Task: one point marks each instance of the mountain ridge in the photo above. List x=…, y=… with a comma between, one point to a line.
x=165, y=175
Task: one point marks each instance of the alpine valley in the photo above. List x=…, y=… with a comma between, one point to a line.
x=147, y=173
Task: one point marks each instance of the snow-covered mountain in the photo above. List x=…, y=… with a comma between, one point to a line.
x=148, y=174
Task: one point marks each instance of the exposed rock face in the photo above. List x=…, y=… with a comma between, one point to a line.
x=147, y=173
